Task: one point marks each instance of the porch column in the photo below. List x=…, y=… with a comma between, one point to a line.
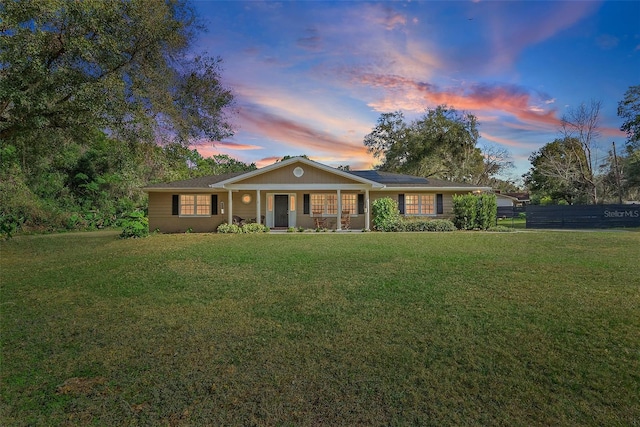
x=339, y=218
x=366, y=209
x=230, y=208
x=258, y=207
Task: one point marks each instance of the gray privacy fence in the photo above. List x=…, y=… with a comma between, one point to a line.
x=583, y=216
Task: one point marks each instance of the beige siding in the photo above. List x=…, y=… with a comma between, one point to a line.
x=160, y=217
x=160, y=206
x=285, y=175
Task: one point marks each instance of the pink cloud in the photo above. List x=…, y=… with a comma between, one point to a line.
x=294, y=134
x=509, y=99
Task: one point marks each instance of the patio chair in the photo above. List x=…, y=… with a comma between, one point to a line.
x=345, y=220
x=320, y=221
x=237, y=220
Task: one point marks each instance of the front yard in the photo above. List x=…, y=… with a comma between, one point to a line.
x=527, y=328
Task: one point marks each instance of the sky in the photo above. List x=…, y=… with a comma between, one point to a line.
x=313, y=77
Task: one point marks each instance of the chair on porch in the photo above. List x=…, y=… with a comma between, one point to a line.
x=320, y=221
x=237, y=220
x=345, y=220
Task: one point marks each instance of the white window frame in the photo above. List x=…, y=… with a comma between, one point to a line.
x=352, y=205
x=325, y=203
x=421, y=205
x=195, y=205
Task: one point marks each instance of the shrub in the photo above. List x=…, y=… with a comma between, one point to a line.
x=135, y=225
x=9, y=225
x=464, y=211
x=228, y=228
x=475, y=211
x=254, y=227
x=385, y=215
x=425, y=224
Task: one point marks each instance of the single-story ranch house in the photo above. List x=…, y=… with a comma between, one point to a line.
x=296, y=192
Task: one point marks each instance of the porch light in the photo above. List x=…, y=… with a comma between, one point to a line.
x=222, y=208
x=246, y=199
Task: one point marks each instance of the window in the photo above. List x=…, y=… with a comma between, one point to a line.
x=195, y=204
x=325, y=203
x=419, y=204
x=350, y=203
x=328, y=203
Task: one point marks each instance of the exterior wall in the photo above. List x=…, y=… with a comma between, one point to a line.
x=285, y=175
x=447, y=199
x=160, y=217
x=160, y=210
x=504, y=201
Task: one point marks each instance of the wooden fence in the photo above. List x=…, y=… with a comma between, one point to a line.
x=587, y=216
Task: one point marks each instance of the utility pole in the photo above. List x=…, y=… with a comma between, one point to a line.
x=617, y=171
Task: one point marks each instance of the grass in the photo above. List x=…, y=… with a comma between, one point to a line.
x=464, y=328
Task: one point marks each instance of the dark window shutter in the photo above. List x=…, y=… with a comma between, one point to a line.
x=360, y=204
x=439, y=205
x=175, y=205
x=214, y=204
x=401, y=203
x=305, y=204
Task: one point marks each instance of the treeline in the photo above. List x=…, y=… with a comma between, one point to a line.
x=95, y=183
x=98, y=99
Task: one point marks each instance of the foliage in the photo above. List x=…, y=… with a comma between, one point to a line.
x=475, y=211
x=441, y=144
x=226, y=228
x=126, y=66
x=629, y=110
x=134, y=225
x=464, y=211
x=249, y=228
x=426, y=224
x=402, y=329
x=385, y=214
x=555, y=171
x=254, y=227
x=582, y=125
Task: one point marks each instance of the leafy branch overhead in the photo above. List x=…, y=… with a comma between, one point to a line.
x=122, y=66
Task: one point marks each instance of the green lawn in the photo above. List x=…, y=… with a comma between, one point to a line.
x=463, y=328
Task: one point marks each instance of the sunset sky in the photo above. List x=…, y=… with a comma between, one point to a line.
x=313, y=77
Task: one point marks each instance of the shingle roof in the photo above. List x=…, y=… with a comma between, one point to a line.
x=200, y=182
x=400, y=180
x=388, y=179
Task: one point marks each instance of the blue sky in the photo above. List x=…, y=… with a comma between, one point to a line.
x=313, y=77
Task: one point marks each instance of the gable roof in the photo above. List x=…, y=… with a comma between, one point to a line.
x=380, y=180
x=303, y=160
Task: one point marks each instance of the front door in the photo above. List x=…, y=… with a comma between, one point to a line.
x=281, y=210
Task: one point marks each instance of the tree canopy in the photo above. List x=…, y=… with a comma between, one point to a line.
x=97, y=99
x=629, y=110
x=67, y=67
x=441, y=144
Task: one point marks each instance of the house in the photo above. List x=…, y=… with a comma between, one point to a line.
x=511, y=199
x=296, y=192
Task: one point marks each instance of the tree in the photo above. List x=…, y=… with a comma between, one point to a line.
x=581, y=124
x=556, y=172
x=629, y=110
x=496, y=161
x=441, y=144
x=67, y=66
